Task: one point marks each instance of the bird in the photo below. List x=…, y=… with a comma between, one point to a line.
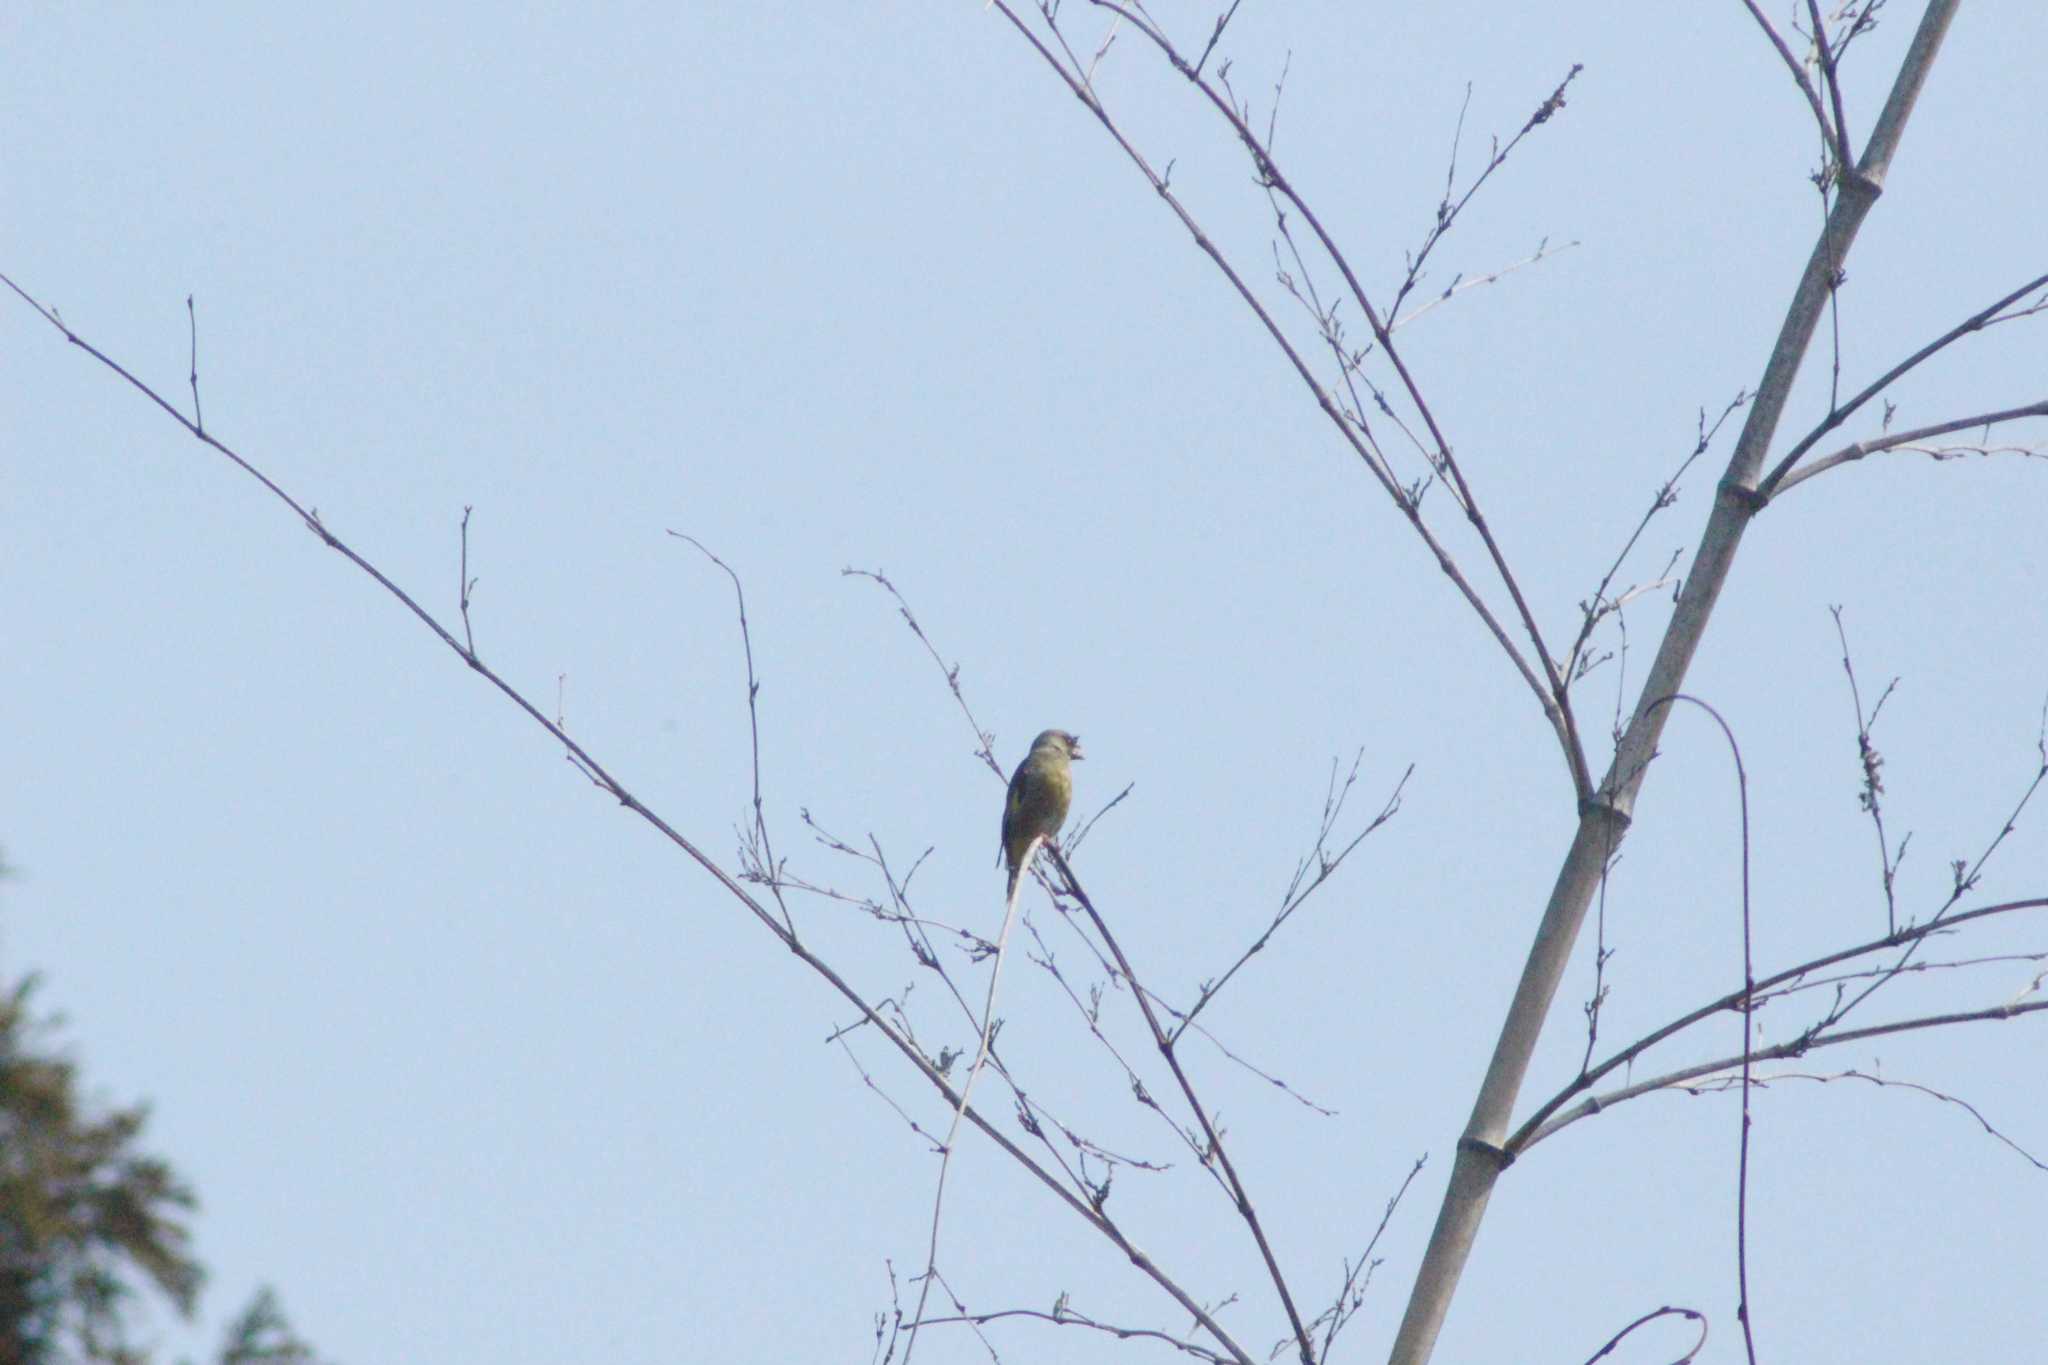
x=1040, y=791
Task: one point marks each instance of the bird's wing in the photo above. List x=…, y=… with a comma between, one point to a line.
x=1012, y=801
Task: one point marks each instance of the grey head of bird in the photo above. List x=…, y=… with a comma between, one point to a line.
x=1060, y=741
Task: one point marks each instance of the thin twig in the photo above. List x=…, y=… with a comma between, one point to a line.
x=1966, y=877
x=1213, y=1138
x=984, y=740
x=769, y=863
x=1831, y=79
x=1910, y=440
x=1358, y=1273
x=1216, y=34
x=1792, y=1047
x=1916, y=968
x=1872, y=793
x=1734, y=999
x=192, y=320
x=1323, y=863
x=1062, y=1315
x=465, y=586
x=1597, y=607
x=1544, y=251
x=1690, y=1315
x=1798, y=70
x=1447, y=211
x=1748, y=1008
x=1889, y=1083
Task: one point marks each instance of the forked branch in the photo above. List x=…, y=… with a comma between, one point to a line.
x=1538, y=667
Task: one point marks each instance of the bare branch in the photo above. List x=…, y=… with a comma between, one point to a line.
x=1596, y=608
x=1063, y=1315
x=1794, y=1047
x=1216, y=34
x=984, y=740
x=1544, y=251
x=1988, y=316
x=1537, y=1122
x=1824, y=53
x=1797, y=69
x=464, y=587
x=1912, y=441
x=588, y=763
x=1549, y=689
x=1212, y=1136
x=1743, y=1315
x=1872, y=793
x=1690, y=1315
x=1446, y=211
x=192, y=319
x=1358, y=1273
x=768, y=860
x=1319, y=861
x=1091, y=1016
x=1886, y=1083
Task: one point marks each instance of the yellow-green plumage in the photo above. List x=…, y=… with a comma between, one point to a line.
x=1040, y=791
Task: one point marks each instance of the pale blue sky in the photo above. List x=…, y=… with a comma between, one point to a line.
x=473, y=1067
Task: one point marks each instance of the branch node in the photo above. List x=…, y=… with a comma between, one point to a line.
x=1741, y=495
x=1603, y=806
x=1501, y=1157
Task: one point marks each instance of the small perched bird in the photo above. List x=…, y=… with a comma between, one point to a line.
x=1040, y=790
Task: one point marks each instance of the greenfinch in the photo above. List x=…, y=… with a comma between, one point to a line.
x=1040, y=791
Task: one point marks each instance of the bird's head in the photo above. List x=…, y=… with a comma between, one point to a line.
x=1059, y=742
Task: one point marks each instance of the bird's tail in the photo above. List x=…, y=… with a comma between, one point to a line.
x=1023, y=865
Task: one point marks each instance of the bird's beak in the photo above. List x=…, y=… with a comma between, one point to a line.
x=1075, y=750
